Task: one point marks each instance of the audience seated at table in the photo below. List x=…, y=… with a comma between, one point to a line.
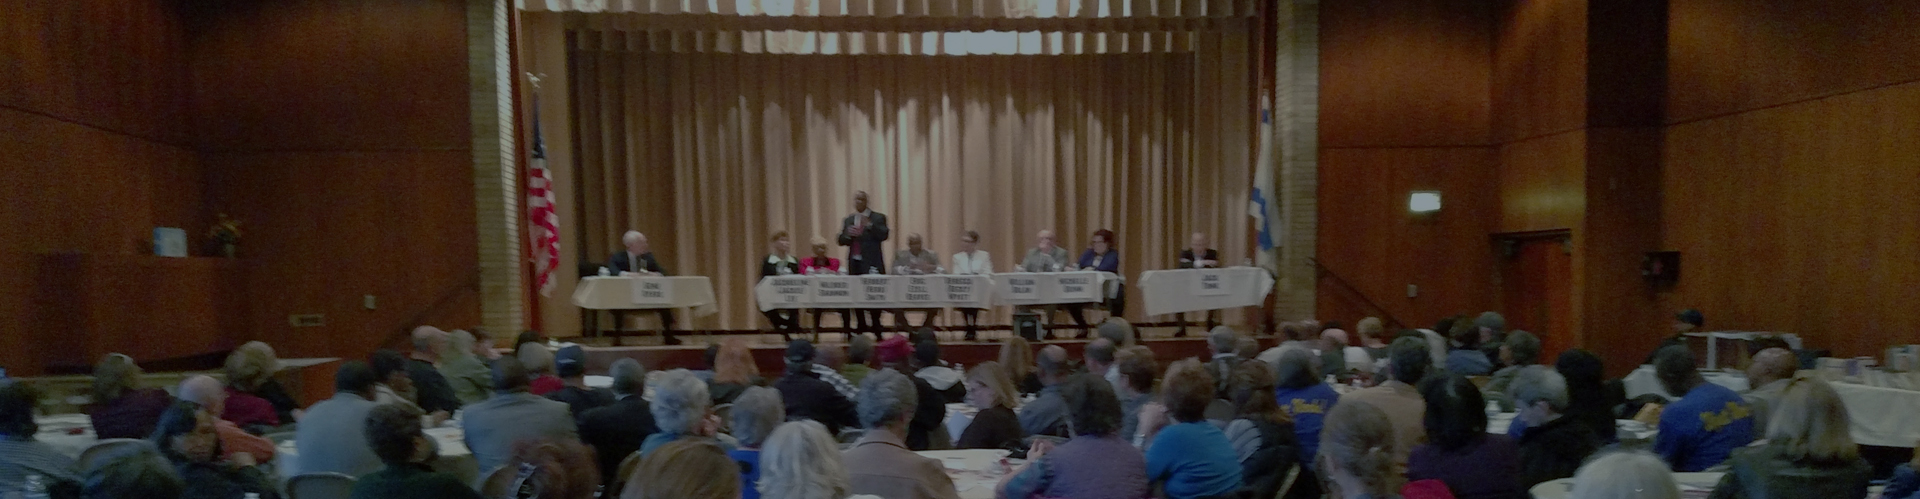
x=393, y=432
x=1352, y=358
x=1472, y=463
x=254, y=398
x=1356, y=456
x=859, y=358
x=617, y=430
x=827, y=362
x=20, y=454
x=537, y=359
x=1117, y=330
x=682, y=409
x=1809, y=451
x=1371, y=330
x=123, y=407
x=186, y=436
x=1016, y=354
x=1554, y=445
x=800, y=460
x=492, y=427
x=432, y=392
x=880, y=462
x=1262, y=435
x=1767, y=375
x=1624, y=475
x=465, y=368
x=322, y=449
x=1138, y=372
x=754, y=416
x=1047, y=413
x=1465, y=358
x=212, y=395
x=806, y=396
x=1224, y=343
x=1408, y=361
x=571, y=364
x=1493, y=335
x=131, y=472
x=1187, y=456
x=1706, y=424
x=396, y=385
x=1098, y=356
x=1520, y=350
x=733, y=371
x=684, y=469
x=995, y=426
x=1591, y=398
x=1096, y=463
x=1305, y=397
x=930, y=410
x=942, y=377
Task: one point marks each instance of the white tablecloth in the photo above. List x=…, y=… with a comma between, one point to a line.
x=1691, y=485
x=975, y=472
x=618, y=293
x=1880, y=416
x=1051, y=288
x=68, y=433
x=1642, y=381
x=1626, y=429
x=874, y=291
x=455, y=458
x=1193, y=290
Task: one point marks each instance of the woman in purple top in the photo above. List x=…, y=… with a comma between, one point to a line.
x=121, y=409
x=1095, y=464
x=1459, y=452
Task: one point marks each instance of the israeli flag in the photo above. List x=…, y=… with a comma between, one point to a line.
x=1260, y=204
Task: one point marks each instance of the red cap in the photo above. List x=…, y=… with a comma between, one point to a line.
x=894, y=349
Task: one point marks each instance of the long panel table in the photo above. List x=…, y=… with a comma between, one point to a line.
x=1194, y=290
x=932, y=291
x=635, y=292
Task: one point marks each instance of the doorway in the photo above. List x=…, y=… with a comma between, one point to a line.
x=1536, y=287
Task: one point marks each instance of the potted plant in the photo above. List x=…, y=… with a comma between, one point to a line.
x=225, y=233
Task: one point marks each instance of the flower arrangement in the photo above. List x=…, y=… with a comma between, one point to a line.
x=226, y=233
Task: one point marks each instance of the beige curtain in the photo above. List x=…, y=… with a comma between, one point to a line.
x=708, y=151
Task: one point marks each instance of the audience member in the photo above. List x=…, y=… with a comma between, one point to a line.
x=1590, y=397
x=1906, y=481
x=20, y=454
x=1624, y=475
x=212, y=395
x=1187, y=456
x=432, y=391
x=322, y=450
x=1554, y=445
x=537, y=360
x=682, y=409
x=1262, y=435
x=944, y=379
x=1520, y=350
x=186, y=436
x=1016, y=354
x=754, y=416
x=1493, y=335
x=930, y=409
x=1459, y=452
x=712, y=357
x=1768, y=375
x=1371, y=330
x=617, y=430
x=1706, y=424
x=802, y=461
x=1117, y=330
x=1099, y=357
x=122, y=406
x=556, y=468
x=859, y=356
x=254, y=398
x=1096, y=463
x=990, y=390
x=1352, y=358
x=1306, y=398
x=807, y=396
x=526, y=337
x=683, y=469
x=1047, y=414
x=827, y=362
x=1465, y=358
x=1397, y=397
x=513, y=414
x=1332, y=348
x=484, y=349
x=1356, y=456
x=1224, y=343
x=733, y=371
x=393, y=432
x=1135, y=388
x=880, y=462
x=396, y=386
x=1686, y=321
x=571, y=364
x=1809, y=451
x=131, y=472
x=465, y=371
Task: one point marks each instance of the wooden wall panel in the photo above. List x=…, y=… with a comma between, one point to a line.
x=111, y=65
x=1404, y=73
x=1622, y=317
x=1539, y=68
x=1368, y=237
x=1728, y=56
x=1542, y=183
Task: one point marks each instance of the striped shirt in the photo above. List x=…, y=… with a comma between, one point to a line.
x=19, y=458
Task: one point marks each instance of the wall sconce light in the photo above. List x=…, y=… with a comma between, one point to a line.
x=1423, y=202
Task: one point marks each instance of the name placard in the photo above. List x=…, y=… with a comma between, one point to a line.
x=1080, y=286
x=648, y=291
x=876, y=289
x=1210, y=283
x=833, y=290
x=920, y=289
x=961, y=289
x=1023, y=287
x=789, y=289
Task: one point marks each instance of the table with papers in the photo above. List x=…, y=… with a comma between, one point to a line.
x=1194, y=290
x=455, y=459
x=873, y=291
x=1880, y=415
x=975, y=472
x=638, y=292
x=1054, y=288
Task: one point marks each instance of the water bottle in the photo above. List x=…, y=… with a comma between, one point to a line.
x=604, y=272
x=35, y=488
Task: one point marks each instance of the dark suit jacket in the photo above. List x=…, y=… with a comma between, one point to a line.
x=580, y=400
x=873, y=260
x=1108, y=263
x=769, y=269
x=620, y=263
x=617, y=430
x=435, y=393
x=1186, y=257
x=809, y=397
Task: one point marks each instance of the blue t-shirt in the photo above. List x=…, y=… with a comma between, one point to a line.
x=1193, y=460
x=1309, y=407
x=1701, y=429
x=749, y=461
x=1466, y=362
x=1516, y=428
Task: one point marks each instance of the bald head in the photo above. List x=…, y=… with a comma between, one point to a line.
x=635, y=242
x=1053, y=364
x=1099, y=354
x=1772, y=364
x=1199, y=242
x=206, y=391
x=428, y=342
x=1045, y=238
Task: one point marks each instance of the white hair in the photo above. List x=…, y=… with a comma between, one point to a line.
x=885, y=397
x=755, y=414
x=1537, y=384
x=801, y=461
x=1625, y=475
x=631, y=236
x=629, y=376
x=680, y=402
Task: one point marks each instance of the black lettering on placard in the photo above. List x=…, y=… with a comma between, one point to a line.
x=1075, y=281
x=1073, y=289
x=1210, y=282
x=959, y=287
x=833, y=285
x=1022, y=290
x=790, y=290
x=919, y=297
x=652, y=293
x=835, y=292
x=650, y=286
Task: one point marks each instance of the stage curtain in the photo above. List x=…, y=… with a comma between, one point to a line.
x=709, y=151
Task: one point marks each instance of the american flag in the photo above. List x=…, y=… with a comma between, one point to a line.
x=546, y=222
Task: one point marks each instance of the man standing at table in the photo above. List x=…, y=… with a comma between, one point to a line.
x=862, y=232
x=638, y=259
x=1198, y=256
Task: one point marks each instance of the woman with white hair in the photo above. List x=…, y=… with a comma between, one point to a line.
x=1625, y=475
x=1809, y=451
x=681, y=409
x=755, y=414
x=880, y=462
x=472, y=381
x=1553, y=446
x=801, y=461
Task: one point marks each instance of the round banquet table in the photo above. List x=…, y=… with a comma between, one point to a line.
x=975, y=472
x=455, y=459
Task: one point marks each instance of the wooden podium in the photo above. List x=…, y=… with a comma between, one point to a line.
x=149, y=307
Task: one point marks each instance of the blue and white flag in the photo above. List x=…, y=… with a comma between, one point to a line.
x=1261, y=204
